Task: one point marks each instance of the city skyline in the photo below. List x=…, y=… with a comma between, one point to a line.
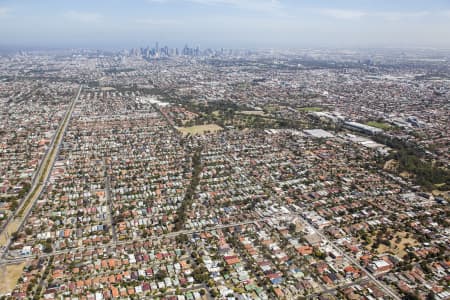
x=225, y=23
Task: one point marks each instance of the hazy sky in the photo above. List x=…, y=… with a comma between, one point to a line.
x=226, y=23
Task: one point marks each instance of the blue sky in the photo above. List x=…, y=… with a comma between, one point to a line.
x=225, y=23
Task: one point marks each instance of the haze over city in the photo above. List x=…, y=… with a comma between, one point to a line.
x=226, y=23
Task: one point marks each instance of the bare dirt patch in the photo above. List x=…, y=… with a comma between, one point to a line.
x=254, y=112
x=399, y=241
x=9, y=276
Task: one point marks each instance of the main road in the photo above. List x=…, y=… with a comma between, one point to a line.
x=43, y=173
x=380, y=284
x=9, y=260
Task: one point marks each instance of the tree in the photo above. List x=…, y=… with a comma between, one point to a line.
x=161, y=274
x=14, y=236
x=411, y=296
x=292, y=227
x=182, y=238
x=214, y=293
x=319, y=254
x=14, y=205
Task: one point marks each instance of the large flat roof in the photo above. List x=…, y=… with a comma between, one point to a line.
x=319, y=133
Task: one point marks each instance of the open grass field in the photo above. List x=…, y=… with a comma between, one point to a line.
x=443, y=194
x=200, y=129
x=380, y=125
x=405, y=175
x=10, y=275
x=391, y=165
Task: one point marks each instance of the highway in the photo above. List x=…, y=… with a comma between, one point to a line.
x=45, y=168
